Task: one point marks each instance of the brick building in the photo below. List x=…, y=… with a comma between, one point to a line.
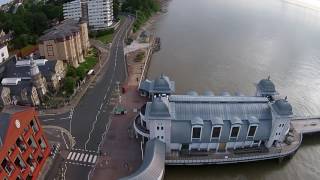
x=23, y=146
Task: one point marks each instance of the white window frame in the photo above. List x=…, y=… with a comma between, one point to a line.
x=196, y=126
x=215, y=126
x=257, y=126
x=233, y=126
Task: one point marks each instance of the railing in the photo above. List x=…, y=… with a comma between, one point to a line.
x=225, y=159
x=140, y=129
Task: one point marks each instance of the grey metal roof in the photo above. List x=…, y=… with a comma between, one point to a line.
x=67, y=28
x=192, y=93
x=208, y=93
x=225, y=111
x=282, y=107
x=4, y=125
x=197, y=121
x=160, y=85
x=218, y=99
x=153, y=163
x=159, y=107
x=267, y=86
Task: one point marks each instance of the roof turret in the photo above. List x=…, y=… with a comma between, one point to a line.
x=160, y=107
x=282, y=107
x=266, y=86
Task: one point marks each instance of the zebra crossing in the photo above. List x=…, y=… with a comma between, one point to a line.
x=82, y=157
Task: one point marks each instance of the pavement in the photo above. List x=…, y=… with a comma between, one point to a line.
x=121, y=151
x=87, y=122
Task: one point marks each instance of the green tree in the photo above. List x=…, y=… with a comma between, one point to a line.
x=69, y=85
x=116, y=9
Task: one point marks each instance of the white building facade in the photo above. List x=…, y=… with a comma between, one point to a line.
x=216, y=123
x=4, y=54
x=99, y=13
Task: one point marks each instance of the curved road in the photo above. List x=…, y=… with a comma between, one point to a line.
x=89, y=120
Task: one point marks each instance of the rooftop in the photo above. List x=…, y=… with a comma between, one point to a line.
x=66, y=28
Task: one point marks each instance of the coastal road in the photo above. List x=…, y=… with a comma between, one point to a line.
x=88, y=121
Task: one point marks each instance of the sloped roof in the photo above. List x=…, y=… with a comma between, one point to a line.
x=66, y=28
x=4, y=125
x=282, y=107
x=267, y=86
x=160, y=85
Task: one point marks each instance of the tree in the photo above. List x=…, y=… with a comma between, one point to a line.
x=69, y=85
x=116, y=9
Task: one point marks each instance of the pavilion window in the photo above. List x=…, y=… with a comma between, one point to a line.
x=216, y=132
x=252, y=131
x=196, y=132
x=235, y=132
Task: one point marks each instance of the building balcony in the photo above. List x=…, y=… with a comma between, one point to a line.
x=139, y=128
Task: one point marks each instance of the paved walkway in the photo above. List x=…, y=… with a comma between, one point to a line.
x=121, y=153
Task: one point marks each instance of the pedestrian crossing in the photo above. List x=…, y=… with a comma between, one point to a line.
x=82, y=157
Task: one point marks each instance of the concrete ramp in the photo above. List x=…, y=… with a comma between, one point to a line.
x=153, y=164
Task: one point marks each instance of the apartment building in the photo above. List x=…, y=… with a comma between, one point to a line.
x=99, y=13
x=23, y=146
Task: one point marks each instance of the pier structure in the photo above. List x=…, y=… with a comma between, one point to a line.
x=195, y=129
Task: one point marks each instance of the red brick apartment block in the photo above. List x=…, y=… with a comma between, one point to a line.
x=23, y=146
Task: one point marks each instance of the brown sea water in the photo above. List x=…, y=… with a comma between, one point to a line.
x=228, y=45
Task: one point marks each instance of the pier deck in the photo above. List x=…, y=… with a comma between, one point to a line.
x=306, y=125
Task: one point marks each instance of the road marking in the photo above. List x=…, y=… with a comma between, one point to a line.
x=46, y=120
x=81, y=157
x=69, y=155
x=73, y=155
x=90, y=157
x=94, y=159
x=77, y=157
x=85, y=158
x=80, y=164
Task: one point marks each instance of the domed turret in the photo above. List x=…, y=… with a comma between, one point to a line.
x=266, y=88
x=192, y=93
x=208, y=93
x=160, y=107
x=282, y=107
x=162, y=83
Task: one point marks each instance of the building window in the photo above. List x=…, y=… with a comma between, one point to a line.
x=50, y=50
x=196, y=132
x=216, y=132
x=161, y=137
x=161, y=127
x=252, y=131
x=234, y=132
x=157, y=127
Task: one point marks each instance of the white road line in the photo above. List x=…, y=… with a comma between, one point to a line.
x=45, y=120
x=73, y=155
x=77, y=157
x=90, y=157
x=85, y=158
x=64, y=118
x=81, y=157
x=94, y=159
x=69, y=155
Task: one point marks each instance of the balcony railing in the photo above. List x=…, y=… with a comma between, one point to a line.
x=139, y=128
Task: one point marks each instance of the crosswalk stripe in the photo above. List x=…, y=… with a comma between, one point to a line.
x=80, y=159
x=90, y=157
x=73, y=155
x=94, y=159
x=85, y=158
x=77, y=157
x=69, y=155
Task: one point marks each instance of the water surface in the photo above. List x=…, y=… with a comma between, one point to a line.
x=228, y=45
